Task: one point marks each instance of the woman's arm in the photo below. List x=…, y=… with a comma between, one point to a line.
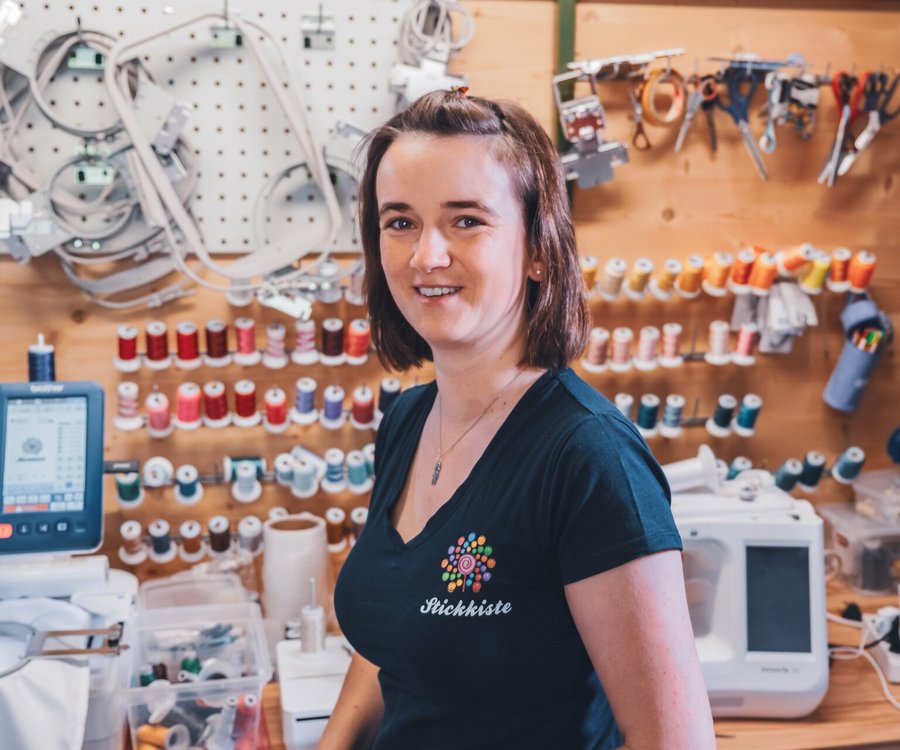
x=635, y=625
x=356, y=715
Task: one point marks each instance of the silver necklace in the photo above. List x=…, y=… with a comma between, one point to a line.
x=436, y=473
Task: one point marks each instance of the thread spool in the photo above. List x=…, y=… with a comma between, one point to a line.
x=217, y=353
x=133, y=551
x=620, y=358
x=745, y=422
x=145, y=675
x=246, y=720
x=129, y=491
x=276, y=410
x=332, y=416
x=648, y=348
x=716, y=270
x=588, y=265
x=355, y=291
x=670, y=427
x=157, y=345
x=719, y=333
x=793, y=262
x=671, y=346
x=358, y=518
x=387, y=392
x=159, y=420
x=219, y=529
x=839, y=272
x=188, y=490
x=362, y=412
x=127, y=359
x=305, y=352
x=739, y=464
x=275, y=354
x=613, y=276
x=187, y=406
x=329, y=290
x=278, y=512
x=356, y=347
x=332, y=353
x=176, y=737
x=41, y=362
x=862, y=267
x=304, y=411
x=247, y=354
x=161, y=548
x=250, y=535
x=748, y=335
x=763, y=274
x=127, y=418
x=187, y=346
x=812, y=471
x=304, y=482
x=848, y=465
x=595, y=356
x=648, y=413
x=335, y=519
x=246, y=487
x=788, y=473
x=283, y=467
x=157, y=472
x=358, y=480
x=663, y=284
x=813, y=279
x=625, y=404
x=719, y=424
x=687, y=284
x=193, y=548
x=636, y=286
x=245, y=412
x=334, y=481
x=215, y=405
x=369, y=453
x=739, y=279
x=230, y=464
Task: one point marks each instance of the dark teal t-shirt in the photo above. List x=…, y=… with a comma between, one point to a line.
x=468, y=622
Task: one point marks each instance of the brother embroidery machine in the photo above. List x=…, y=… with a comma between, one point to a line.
x=61, y=617
x=755, y=578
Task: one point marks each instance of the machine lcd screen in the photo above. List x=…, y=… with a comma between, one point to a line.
x=44, y=454
x=778, y=604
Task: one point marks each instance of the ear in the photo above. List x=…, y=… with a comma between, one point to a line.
x=537, y=272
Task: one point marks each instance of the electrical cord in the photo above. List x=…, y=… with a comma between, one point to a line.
x=428, y=26
x=848, y=653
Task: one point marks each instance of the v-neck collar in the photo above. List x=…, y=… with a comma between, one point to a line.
x=438, y=518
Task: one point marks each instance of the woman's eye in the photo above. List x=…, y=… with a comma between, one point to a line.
x=467, y=222
x=398, y=224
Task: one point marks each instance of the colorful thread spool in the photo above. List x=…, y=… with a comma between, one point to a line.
x=219, y=529
x=745, y=421
x=589, y=266
x=717, y=353
x=187, y=345
x=862, y=267
x=813, y=279
x=625, y=404
x=362, y=411
x=192, y=548
x=159, y=420
x=283, y=466
x=275, y=406
x=133, y=551
x=620, y=358
x=356, y=345
x=329, y=290
x=162, y=550
x=848, y=465
x=813, y=469
x=738, y=281
x=716, y=270
x=595, y=357
x=304, y=411
x=687, y=284
x=305, y=352
x=719, y=424
x=230, y=464
x=793, y=262
x=648, y=349
x=187, y=406
x=613, y=276
x=188, y=490
x=763, y=275
x=636, y=286
x=335, y=520
x=358, y=517
x=245, y=411
x=157, y=344
x=332, y=353
x=839, y=272
x=129, y=491
x=358, y=480
x=127, y=359
x=247, y=354
x=246, y=487
x=648, y=413
x=671, y=346
x=334, y=480
x=369, y=452
x=739, y=464
x=387, y=392
x=788, y=473
x=215, y=405
x=748, y=335
x=670, y=427
x=304, y=482
x=663, y=284
x=217, y=354
x=275, y=355
x=127, y=417
x=332, y=416
x=41, y=361
x=250, y=535
x=157, y=471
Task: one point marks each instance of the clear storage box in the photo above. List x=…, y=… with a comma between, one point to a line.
x=878, y=494
x=868, y=549
x=210, y=665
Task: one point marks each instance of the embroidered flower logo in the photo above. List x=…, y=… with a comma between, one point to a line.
x=468, y=564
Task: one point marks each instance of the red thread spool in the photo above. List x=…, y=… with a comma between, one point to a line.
x=356, y=346
x=187, y=341
x=333, y=337
x=157, y=341
x=598, y=347
x=191, y=539
x=363, y=410
x=128, y=399
x=671, y=340
x=840, y=265
x=158, y=417
x=275, y=401
x=245, y=398
x=215, y=400
x=748, y=335
x=246, y=335
x=216, y=339
x=128, y=336
x=247, y=715
x=862, y=267
x=187, y=407
x=743, y=266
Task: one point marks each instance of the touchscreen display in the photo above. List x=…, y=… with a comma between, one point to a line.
x=44, y=454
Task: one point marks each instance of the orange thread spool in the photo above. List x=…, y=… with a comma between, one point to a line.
x=840, y=265
x=743, y=266
x=862, y=266
x=791, y=261
x=688, y=282
x=589, y=271
x=716, y=271
x=765, y=269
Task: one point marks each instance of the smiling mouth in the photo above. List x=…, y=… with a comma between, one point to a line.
x=437, y=291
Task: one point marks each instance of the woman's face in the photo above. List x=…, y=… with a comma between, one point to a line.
x=453, y=244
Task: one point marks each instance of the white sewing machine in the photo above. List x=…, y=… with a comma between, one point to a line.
x=755, y=579
x=61, y=618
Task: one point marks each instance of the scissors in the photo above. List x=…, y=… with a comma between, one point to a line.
x=702, y=94
x=876, y=95
x=741, y=86
x=848, y=93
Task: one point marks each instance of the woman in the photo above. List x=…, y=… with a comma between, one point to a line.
x=518, y=583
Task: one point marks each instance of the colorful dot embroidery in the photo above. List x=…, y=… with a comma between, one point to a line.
x=468, y=564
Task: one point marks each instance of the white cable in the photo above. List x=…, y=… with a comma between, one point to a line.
x=848, y=653
x=416, y=41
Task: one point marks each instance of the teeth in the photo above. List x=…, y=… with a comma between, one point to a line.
x=438, y=291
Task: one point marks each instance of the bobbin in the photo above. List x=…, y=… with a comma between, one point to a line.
x=186, y=328
x=246, y=358
x=245, y=388
x=332, y=417
x=162, y=549
x=215, y=389
x=671, y=268
x=217, y=327
x=720, y=260
x=156, y=328
x=745, y=421
x=719, y=331
x=362, y=395
x=625, y=404
x=130, y=391
x=621, y=337
x=283, y=467
x=787, y=474
x=354, y=292
x=719, y=424
x=358, y=517
x=848, y=465
x=358, y=327
x=130, y=531
x=158, y=402
x=274, y=355
x=332, y=326
x=671, y=331
x=387, y=391
x=307, y=329
x=641, y=271
x=158, y=471
x=648, y=415
x=597, y=342
x=670, y=426
x=358, y=480
x=190, y=530
x=275, y=399
x=129, y=491
x=304, y=480
x=307, y=388
x=840, y=261
x=742, y=358
x=745, y=259
x=813, y=468
x=188, y=489
x=648, y=335
x=250, y=535
x=246, y=487
x=133, y=364
x=334, y=528
x=610, y=283
x=334, y=480
x=691, y=269
x=187, y=391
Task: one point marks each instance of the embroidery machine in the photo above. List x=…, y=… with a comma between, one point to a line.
x=52, y=606
x=755, y=580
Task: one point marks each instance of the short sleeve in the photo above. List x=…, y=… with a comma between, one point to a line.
x=608, y=499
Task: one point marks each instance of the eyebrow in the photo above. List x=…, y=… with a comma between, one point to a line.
x=477, y=205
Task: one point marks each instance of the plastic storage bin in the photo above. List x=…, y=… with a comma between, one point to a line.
x=216, y=663
x=869, y=549
x=878, y=495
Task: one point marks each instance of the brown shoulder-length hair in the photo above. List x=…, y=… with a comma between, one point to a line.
x=556, y=306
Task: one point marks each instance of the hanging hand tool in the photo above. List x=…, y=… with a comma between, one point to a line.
x=848, y=94
x=741, y=85
x=877, y=96
x=639, y=140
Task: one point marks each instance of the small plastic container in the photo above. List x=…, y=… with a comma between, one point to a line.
x=878, y=495
x=868, y=549
x=188, y=588
x=215, y=661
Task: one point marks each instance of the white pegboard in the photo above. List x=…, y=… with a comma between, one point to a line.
x=239, y=137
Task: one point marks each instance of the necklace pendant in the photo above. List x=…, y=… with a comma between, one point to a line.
x=437, y=472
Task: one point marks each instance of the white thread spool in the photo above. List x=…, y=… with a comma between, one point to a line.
x=246, y=488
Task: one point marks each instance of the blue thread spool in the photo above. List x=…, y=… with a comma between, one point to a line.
x=739, y=464
x=848, y=465
x=332, y=416
x=188, y=489
x=284, y=469
x=358, y=478
x=813, y=468
x=304, y=483
x=745, y=423
x=648, y=413
x=230, y=465
x=41, y=362
x=719, y=424
x=788, y=474
x=625, y=404
x=369, y=453
x=161, y=548
x=334, y=471
x=304, y=411
x=671, y=422
x=387, y=392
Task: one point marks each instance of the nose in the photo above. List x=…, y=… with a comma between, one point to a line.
x=431, y=250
